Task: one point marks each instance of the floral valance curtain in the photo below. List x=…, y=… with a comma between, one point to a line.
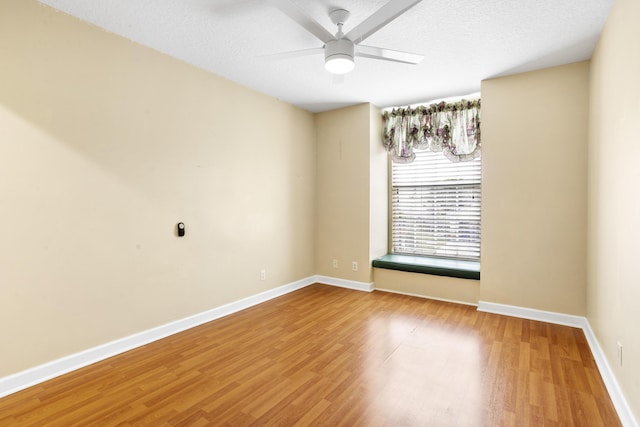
x=452, y=128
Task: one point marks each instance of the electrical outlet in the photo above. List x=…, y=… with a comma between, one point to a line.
x=335, y=263
x=263, y=274
x=354, y=265
x=619, y=354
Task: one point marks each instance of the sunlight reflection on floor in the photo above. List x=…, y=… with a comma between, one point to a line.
x=425, y=365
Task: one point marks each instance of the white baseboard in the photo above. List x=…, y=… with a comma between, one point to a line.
x=343, y=283
x=619, y=401
x=30, y=377
x=532, y=314
x=615, y=392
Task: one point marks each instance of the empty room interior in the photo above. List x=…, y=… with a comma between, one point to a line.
x=201, y=225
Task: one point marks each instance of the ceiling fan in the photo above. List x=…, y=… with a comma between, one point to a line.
x=340, y=49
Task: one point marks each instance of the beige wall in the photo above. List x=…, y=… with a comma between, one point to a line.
x=378, y=188
x=534, y=172
x=351, y=168
x=614, y=198
x=426, y=285
x=104, y=146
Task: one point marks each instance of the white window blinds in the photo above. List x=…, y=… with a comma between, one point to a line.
x=436, y=207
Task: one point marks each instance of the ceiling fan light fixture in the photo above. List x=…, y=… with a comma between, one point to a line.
x=339, y=64
x=338, y=56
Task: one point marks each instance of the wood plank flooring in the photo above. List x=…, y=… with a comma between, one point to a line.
x=330, y=356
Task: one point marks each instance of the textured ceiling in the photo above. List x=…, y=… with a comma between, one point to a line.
x=463, y=42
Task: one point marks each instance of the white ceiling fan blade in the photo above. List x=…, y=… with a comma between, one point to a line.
x=304, y=20
x=379, y=19
x=388, y=54
x=294, y=53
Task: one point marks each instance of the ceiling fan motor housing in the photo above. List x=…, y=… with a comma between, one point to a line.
x=339, y=50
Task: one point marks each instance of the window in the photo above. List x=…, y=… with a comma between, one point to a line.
x=436, y=207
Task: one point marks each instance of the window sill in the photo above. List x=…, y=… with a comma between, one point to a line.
x=426, y=265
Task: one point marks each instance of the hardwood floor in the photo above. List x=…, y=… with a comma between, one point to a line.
x=330, y=356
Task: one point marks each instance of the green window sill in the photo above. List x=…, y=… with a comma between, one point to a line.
x=427, y=265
